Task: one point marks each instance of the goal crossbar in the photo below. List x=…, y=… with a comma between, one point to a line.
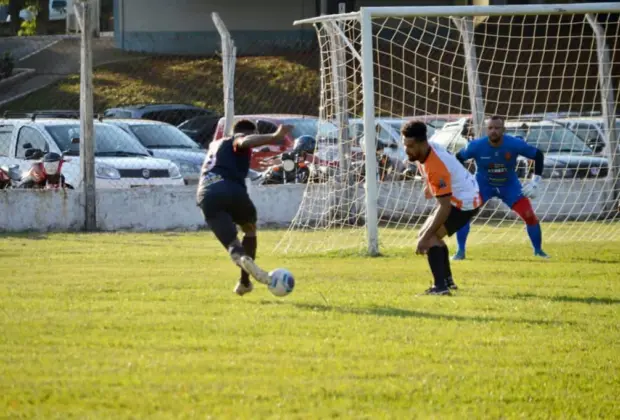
x=438, y=11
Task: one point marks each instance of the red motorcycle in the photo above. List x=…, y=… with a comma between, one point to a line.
x=10, y=176
x=46, y=173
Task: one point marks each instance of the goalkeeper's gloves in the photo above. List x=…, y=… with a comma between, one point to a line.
x=530, y=189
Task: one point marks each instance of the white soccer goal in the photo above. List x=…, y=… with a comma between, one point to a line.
x=380, y=66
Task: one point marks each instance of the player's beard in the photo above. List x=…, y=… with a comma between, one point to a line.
x=413, y=158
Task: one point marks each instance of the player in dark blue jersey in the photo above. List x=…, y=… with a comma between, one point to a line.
x=496, y=161
x=223, y=197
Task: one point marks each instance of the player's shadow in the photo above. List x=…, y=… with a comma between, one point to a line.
x=407, y=313
x=591, y=300
x=33, y=236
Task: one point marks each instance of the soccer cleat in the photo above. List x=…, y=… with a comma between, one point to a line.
x=459, y=256
x=450, y=283
x=254, y=270
x=242, y=289
x=540, y=253
x=437, y=292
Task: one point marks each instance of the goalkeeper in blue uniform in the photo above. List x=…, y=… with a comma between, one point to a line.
x=496, y=161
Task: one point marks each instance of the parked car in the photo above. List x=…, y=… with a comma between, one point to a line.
x=268, y=123
x=167, y=142
x=590, y=130
x=566, y=155
x=57, y=11
x=44, y=113
x=120, y=160
x=387, y=136
x=437, y=121
x=201, y=128
x=174, y=114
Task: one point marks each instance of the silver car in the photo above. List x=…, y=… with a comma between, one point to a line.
x=166, y=141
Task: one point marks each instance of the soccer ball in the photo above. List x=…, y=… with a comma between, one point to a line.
x=281, y=282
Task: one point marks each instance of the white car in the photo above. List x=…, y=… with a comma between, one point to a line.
x=120, y=161
x=566, y=155
x=590, y=130
x=388, y=133
x=57, y=11
x=166, y=141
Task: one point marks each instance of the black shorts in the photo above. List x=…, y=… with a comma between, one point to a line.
x=230, y=198
x=458, y=218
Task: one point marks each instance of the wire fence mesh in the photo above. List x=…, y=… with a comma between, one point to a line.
x=156, y=113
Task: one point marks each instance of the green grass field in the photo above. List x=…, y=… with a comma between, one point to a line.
x=147, y=326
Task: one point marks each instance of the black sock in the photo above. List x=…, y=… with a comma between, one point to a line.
x=249, y=245
x=447, y=268
x=436, y=260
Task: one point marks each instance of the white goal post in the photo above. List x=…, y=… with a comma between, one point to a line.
x=534, y=65
x=229, y=61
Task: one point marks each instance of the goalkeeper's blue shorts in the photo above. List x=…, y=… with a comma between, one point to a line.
x=509, y=194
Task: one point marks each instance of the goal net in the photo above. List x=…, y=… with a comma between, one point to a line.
x=551, y=72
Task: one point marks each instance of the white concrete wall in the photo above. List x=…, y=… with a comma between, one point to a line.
x=195, y=15
x=162, y=208
x=169, y=208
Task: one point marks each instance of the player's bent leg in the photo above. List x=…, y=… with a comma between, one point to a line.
x=250, y=244
x=244, y=214
x=523, y=207
x=462, y=234
x=223, y=227
x=457, y=221
x=438, y=260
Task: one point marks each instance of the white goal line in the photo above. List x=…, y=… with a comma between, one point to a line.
x=436, y=11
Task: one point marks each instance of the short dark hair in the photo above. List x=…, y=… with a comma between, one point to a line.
x=243, y=126
x=414, y=129
x=496, y=118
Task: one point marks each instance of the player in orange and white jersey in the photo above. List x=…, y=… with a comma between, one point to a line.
x=458, y=201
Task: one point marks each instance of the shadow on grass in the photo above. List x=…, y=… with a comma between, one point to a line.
x=34, y=236
x=568, y=299
x=387, y=311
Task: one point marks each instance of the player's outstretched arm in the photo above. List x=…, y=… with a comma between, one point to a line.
x=530, y=189
x=466, y=156
x=257, y=140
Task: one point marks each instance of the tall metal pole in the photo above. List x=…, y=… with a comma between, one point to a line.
x=87, y=138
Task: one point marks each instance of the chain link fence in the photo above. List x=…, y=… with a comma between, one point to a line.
x=154, y=114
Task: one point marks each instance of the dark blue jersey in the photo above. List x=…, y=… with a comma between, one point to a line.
x=496, y=165
x=224, y=161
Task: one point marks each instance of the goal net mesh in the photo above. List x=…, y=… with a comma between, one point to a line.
x=539, y=72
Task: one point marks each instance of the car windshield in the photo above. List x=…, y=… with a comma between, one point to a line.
x=551, y=139
x=310, y=127
x=109, y=140
x=154, y=136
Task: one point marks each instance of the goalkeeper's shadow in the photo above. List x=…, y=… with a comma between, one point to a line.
x=388, y=311
x=590, y=300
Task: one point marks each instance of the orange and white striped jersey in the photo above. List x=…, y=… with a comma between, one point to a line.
x=445, y=175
